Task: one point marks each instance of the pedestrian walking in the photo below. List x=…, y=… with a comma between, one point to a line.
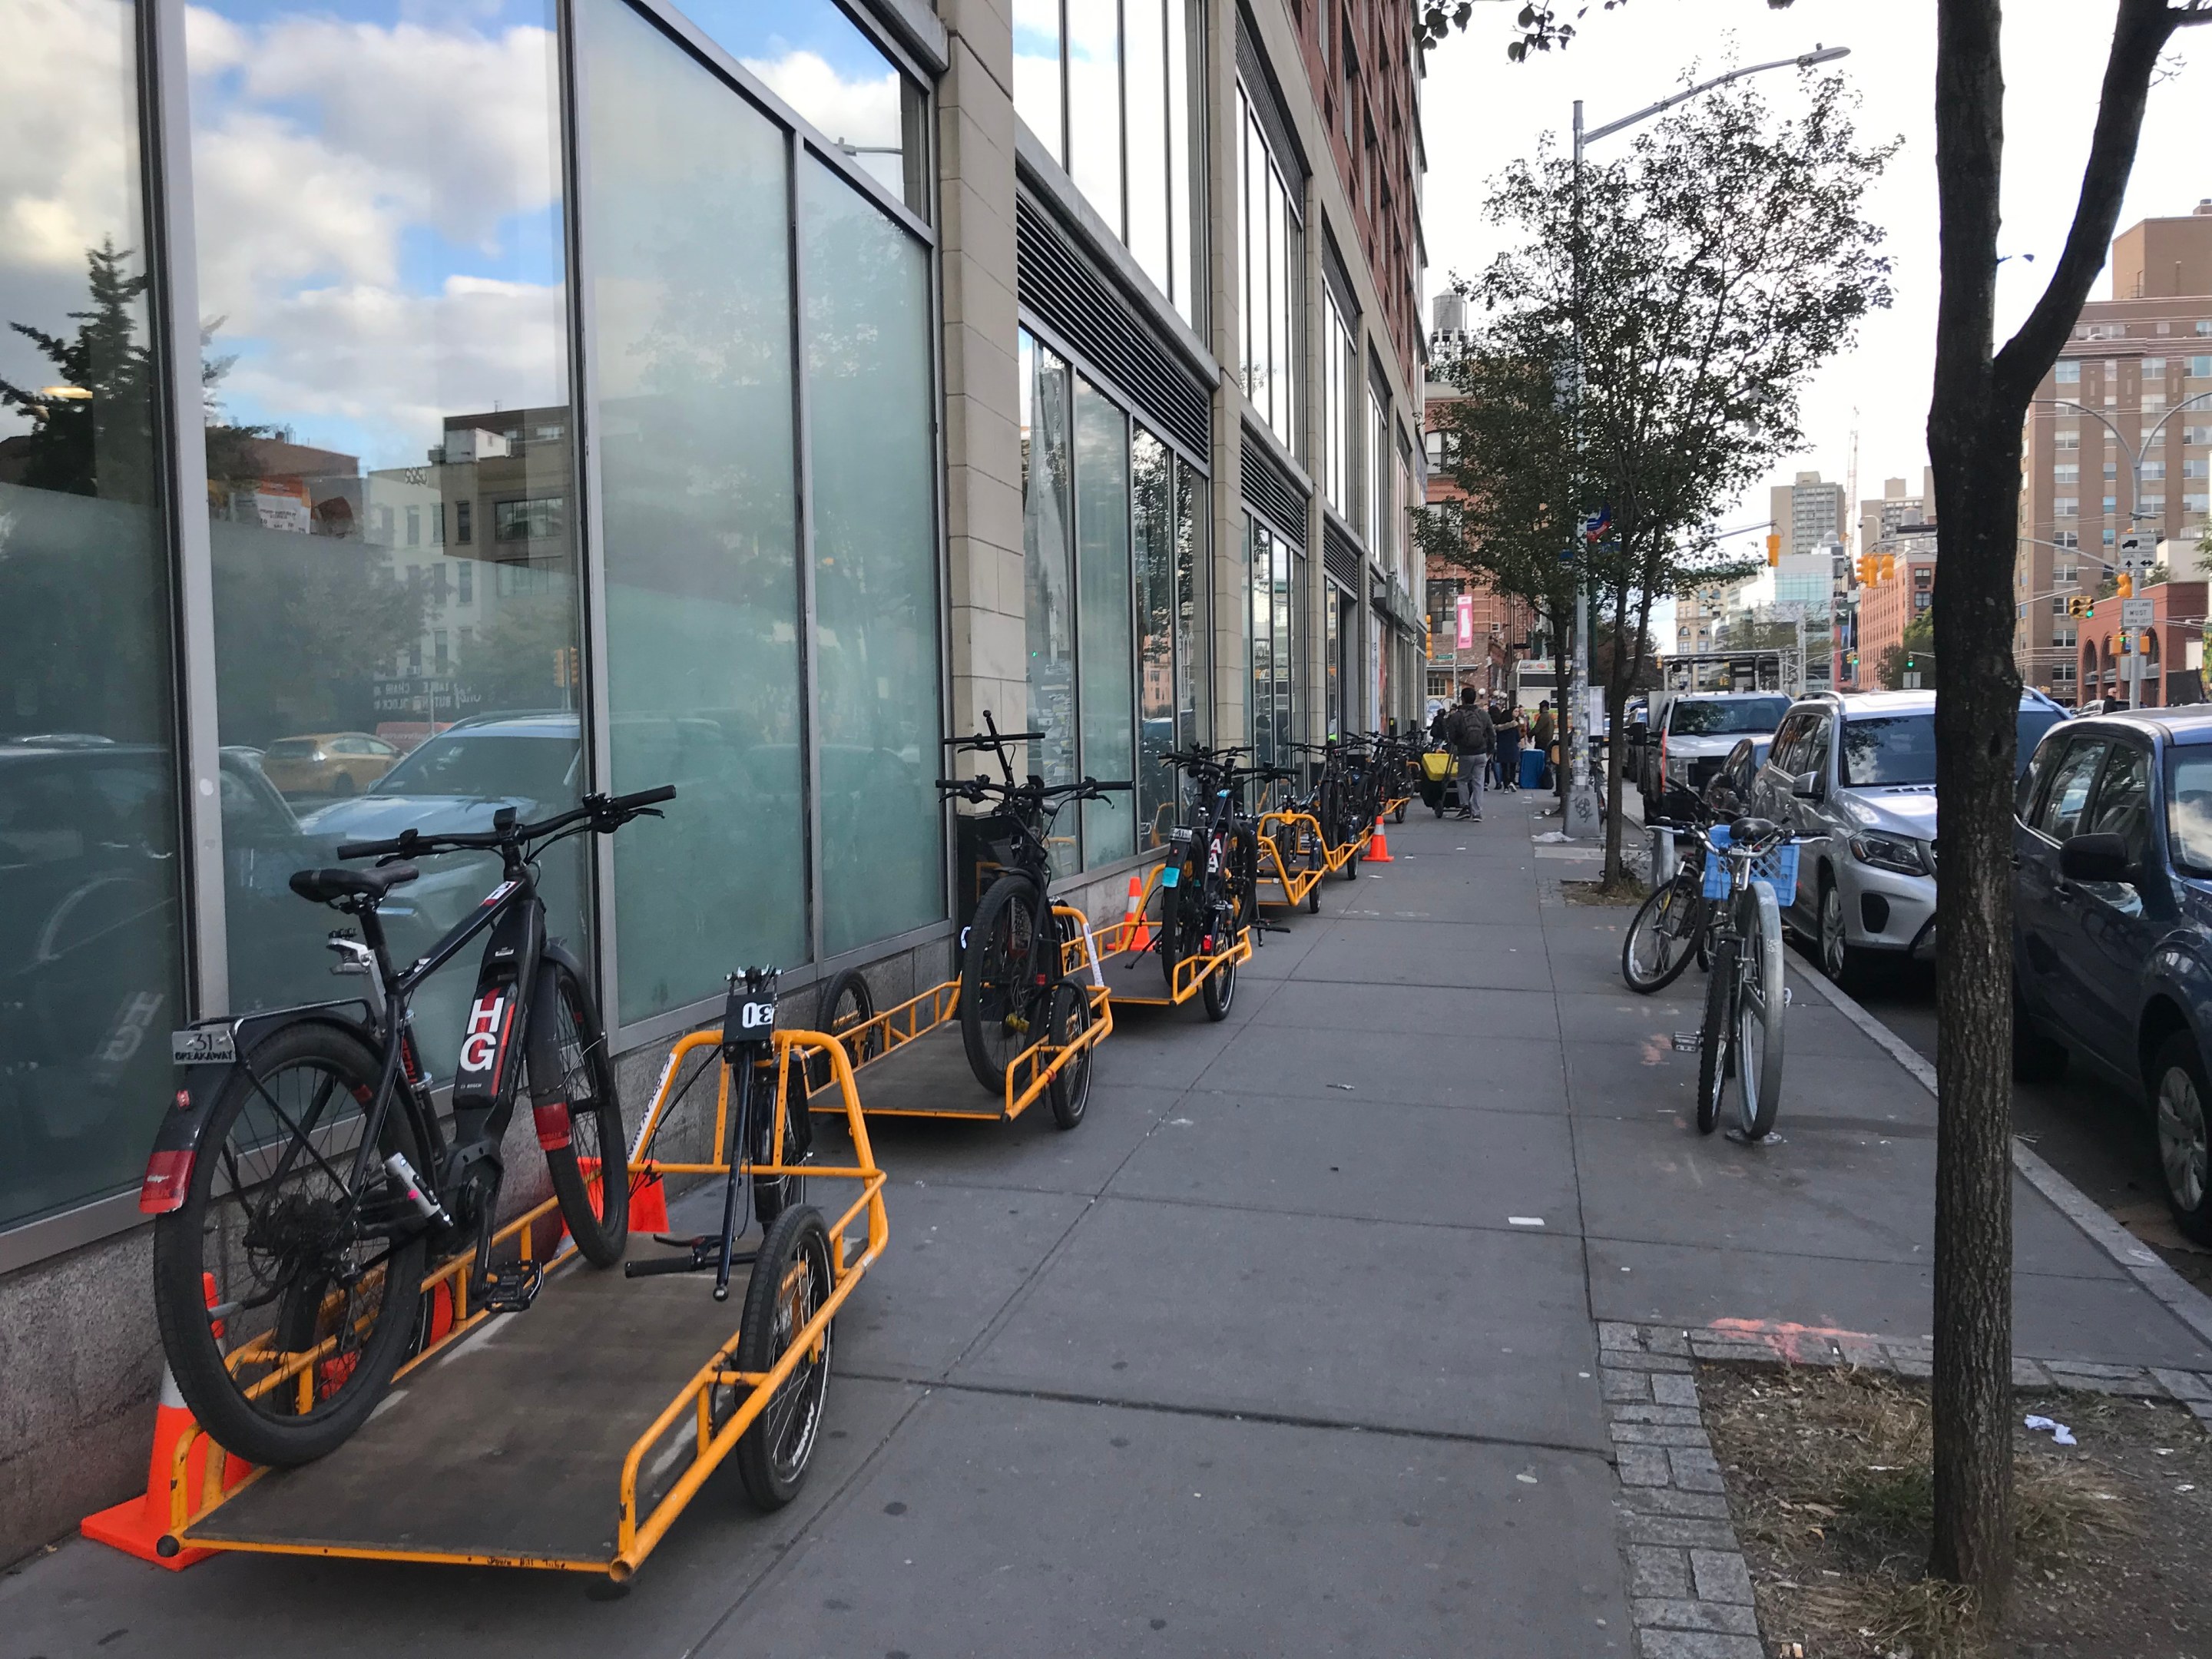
x=1468, y=730
x=1509, y=750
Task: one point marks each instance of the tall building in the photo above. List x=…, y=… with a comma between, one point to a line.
x=2116, y=447
x=1476, y=635
x=1881, y=519
x=770, y=391
x=1807, y=514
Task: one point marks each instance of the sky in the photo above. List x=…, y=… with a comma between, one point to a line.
x=1478, y=112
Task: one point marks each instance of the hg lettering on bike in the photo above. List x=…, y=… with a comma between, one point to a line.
x=480, y=1045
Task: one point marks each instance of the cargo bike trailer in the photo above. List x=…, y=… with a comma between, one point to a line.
x=571, y=1438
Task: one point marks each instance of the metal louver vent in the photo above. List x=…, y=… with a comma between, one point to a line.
x=1056, y=283
x=1270, y=491
x=1340, y=555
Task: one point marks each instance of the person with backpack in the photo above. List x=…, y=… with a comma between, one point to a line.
x=1508, y=727
x=1468, y=731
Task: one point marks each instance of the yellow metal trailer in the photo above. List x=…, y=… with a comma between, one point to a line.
x=569, y=1437
x=1124, y=949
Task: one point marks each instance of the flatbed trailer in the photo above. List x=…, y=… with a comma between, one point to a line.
x=569, y=1437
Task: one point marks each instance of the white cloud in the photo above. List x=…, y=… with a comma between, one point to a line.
x=864, y=112
x=68, y=162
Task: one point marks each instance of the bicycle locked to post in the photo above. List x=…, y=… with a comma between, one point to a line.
x=305, y=1174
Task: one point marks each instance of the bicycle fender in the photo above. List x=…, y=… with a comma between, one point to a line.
x=177, y=1136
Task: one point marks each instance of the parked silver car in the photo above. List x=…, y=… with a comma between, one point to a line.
x=1854, y=775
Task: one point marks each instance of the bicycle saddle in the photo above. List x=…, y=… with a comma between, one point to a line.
x=1748, y=830
x=323, y=886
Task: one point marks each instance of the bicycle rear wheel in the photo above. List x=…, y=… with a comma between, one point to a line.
x=1000, y=978
x=1663, y=936
x=1717, y=1056
x=283, y=1302
x=791, y=1280
x=591, y=1171
x=1067, y=1018
x=1760, y=1005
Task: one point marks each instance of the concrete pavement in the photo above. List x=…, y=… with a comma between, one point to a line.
x=1291, y=1348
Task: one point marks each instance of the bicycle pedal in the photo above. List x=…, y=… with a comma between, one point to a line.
x=1685, y=1042
x=512, y=1290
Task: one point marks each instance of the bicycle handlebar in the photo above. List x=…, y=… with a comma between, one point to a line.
x=607, y=813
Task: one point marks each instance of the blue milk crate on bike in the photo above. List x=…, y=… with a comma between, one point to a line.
x=1777, y=867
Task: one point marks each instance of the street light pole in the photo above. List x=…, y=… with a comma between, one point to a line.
x=1582, y=821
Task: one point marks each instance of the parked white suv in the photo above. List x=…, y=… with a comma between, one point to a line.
x=1854, y=775
x=1684, y=747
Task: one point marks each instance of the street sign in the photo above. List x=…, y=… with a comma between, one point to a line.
x=2135, y=613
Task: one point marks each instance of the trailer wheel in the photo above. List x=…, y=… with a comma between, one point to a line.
x=791, y=1281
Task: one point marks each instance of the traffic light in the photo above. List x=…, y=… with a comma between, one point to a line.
x=1774, y=549
x=2077, y=606
x=2127, y=586
x=2089, y=607
x=1868, y=563
x=1889, y=566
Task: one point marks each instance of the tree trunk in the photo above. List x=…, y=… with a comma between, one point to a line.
x=1976, y=457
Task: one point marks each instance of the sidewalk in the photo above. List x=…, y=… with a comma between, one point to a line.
x=1291, y=1348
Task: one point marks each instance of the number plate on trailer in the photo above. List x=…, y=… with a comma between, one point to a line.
x=1180, y=835
x=756, y=1014
x=1685, y=1042
x=202, y=1045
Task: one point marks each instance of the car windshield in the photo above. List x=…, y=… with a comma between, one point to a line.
x=1729, y=718
x=292, y=748
x=1900, y=749
x=2189, y=810
x=487, y=765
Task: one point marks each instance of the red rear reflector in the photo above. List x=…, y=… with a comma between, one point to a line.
x=167, y=1175
x=552, y=1125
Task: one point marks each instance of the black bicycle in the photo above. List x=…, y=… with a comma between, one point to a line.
x=1014, y=989
x=1211, y=872
x=306, y=1176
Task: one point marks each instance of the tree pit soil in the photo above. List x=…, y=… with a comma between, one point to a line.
x=1627, y=890
x=1829, y=1484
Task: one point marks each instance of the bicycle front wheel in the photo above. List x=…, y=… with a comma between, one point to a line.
x=1761, y=1004
x=1663, y=936
x=283, y=1301
x=999, y=979
x=591, y=1169
x=1716, y=1036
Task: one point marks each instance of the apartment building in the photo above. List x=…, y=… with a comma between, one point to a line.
x=1888, y=605
x=2116, y=447
x=1807, y=514
x=770, y=391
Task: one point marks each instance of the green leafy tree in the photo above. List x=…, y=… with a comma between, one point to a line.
x=1980, y=395
x=92, y=432
x=1915, y=654
x=1702, y=278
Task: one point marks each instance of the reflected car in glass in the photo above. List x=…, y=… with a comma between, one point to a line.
x=339, y=763
x=2111, y=959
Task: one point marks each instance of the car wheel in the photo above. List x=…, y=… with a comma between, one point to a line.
x=1840, y=961
x=343, y=787
x=2179, y=1101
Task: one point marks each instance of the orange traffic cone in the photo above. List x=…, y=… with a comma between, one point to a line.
x=137, y=1526
x=1378, y=847
x=1136, y=932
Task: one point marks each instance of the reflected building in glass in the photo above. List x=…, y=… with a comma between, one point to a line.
x=407, y=414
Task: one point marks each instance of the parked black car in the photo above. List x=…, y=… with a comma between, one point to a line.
x=2112, y=923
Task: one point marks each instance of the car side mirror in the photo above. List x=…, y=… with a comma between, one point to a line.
x=2095, y=858
x=1805, y=786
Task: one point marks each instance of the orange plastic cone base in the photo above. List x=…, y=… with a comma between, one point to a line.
x=1378, y=847
x=1141, y=939
x=137, y=1526
x=648, y=1204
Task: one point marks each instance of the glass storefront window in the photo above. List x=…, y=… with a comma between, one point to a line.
x=1193, y=612
x=1272, y=652
x=1048, y=470
x=1153, y=525
x=1378, y=477
x=865, y=285
x=700, y=513
x=1104, y=650
x=90, y=939
x=379, y=232
x=811, y=55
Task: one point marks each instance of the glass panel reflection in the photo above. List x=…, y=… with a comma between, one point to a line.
x=1094, y=105
x=1144, y=50
x=90, y=968
x=1152, y=525
x=869, y=406
x=821, y=62
x=1049, y=583
x=696, y=434
x=379, y=235
x=1101, y=565
x=1037, y=73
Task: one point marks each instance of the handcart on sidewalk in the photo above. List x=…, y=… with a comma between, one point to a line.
x=571, y=1437
x=914, y=1059
x=1288, y=879
x=1439, y=772
x=1207, y=970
